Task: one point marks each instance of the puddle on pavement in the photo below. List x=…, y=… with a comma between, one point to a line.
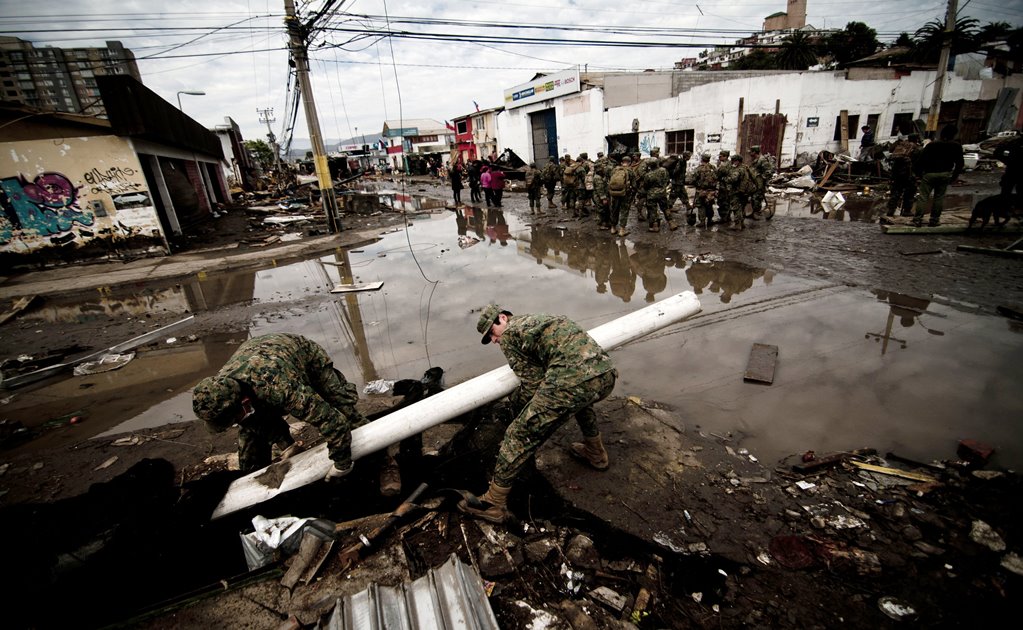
x=859, y=206
x=855, y=368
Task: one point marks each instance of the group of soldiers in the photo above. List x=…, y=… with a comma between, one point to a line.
x=613, y=185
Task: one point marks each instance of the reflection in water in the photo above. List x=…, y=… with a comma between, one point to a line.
x=725, y=277
x=908, y=309
x=614, y=265
x=404, y=202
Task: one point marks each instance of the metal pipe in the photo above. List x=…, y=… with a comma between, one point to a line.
x=313, y=464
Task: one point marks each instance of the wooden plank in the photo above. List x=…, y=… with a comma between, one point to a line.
x=760, y=368
x=894, y=472
x=356, y=288
x=844, y=129
x=827, y=173
x=829, y=461
x=19, y=305
x=992, y=251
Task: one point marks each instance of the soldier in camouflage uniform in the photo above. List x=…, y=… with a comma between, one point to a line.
x=640, y=166
x=584, y=182
x=741, y=187
x=706, y=181
x=601, y=195
x=724, y=169
x=655, y=191
x=569, y=184
x=269, y=377
x=551, y=177
x=677, y=173
x=621, y=200
x=762, y=168
x=563, y=372
x=534, y=184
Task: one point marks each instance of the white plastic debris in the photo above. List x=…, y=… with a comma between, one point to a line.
x=833, y=200
x=697, y=597
x=982, y=534
x=105, y=363
x=805, y=485
x=381, y=386
x=573, y=579
x=896, y=609
x=1012, y=562
x=106, y=464
x=269, y=534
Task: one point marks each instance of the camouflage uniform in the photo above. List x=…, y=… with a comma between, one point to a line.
x=569, y=192
x=601, y=195
x=724, y=169
x=534, y=184
x=903, y=186
x=563, y=372
x=762, y=169
x=678, y=183
x=281, y=374
x=551, y=176
x=655, y=192
x=620, y=203
x=741, y=187
x=584, y=194
x=706, y=181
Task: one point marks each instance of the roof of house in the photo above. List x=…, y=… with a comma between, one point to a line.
x=425, y=126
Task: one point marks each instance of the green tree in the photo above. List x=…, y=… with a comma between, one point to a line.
x=930, y=38
x=993, y=31
x=756, y=60
x=904, y=41
x=855, y=42
x=261, y=152
x=798, y=52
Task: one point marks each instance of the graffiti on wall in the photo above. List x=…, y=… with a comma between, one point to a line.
x=114, y=181
x=646, y=142
x=47, y=205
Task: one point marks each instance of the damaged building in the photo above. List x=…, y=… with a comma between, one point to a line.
x=78, y=187
x=789, y=113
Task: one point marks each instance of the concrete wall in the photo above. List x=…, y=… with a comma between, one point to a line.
x=713, y=108
x=77, y=196
x=580, y=122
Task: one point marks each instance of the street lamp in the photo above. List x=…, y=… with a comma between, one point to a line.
x=190, y=93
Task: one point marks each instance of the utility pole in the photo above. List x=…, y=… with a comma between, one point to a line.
x=300, y=54
x=266, y=116
x=939, y=82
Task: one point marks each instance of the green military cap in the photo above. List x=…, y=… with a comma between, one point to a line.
x=755, y=148
x=737, y=158
x=214, y=400
x=654, y=152
x=584, y=156
x=487, y=317
x=600, y=154
x=723, y=153
x=705, y=157
x=626, y=158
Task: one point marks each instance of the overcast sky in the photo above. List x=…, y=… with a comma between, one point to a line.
x=358, y=84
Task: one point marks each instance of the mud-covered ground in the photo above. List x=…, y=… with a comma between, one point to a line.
x=110, y=550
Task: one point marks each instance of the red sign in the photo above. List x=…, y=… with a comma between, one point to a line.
x=395, y=149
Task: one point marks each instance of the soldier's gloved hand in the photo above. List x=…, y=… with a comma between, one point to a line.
x=336, y=473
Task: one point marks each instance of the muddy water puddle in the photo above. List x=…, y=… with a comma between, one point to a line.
x=855, y=367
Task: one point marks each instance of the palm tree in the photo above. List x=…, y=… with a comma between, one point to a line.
x=797, y=52
x=930, y=38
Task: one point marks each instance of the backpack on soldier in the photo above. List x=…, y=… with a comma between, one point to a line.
x=570, y=174
x=619, y=181
x=747, y=183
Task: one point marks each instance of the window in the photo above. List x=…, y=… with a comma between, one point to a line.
x=902, y=123
x=854, y=126
x=461, y=126
x=679, y=141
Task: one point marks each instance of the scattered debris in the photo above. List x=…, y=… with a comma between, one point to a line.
x=982, y=534
x=106, y=464
x=356, y=288
x=17, y=306
x=381, y=386
x=105, y=363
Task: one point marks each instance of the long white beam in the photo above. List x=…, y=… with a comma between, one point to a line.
x=313, y=464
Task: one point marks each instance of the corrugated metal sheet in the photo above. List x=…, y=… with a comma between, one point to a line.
x=448, y=597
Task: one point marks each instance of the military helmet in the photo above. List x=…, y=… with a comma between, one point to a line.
x=723, y=153
x=584, y=156
x=737, y=158
x=215, y=398
x=705, y=157
x=600, y=154
x=486, y=320
x=655, y=152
